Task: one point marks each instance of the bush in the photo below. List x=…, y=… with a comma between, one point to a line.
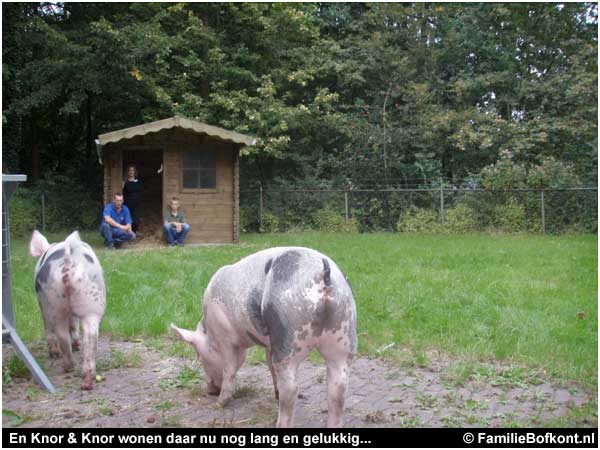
x=90, y=215
x=244, y=219
x=419, y=220
x=328, y=219
x=270, y=223
x=369, y=212
x=460, y=219
x=509, y=217
x=551, y=173
x=505, y=173
x=24, y=213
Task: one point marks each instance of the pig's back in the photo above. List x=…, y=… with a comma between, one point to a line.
x=285, y=295
x=278, y=296
x=48, y=269
x=236, y=291
x=307, y=298
x=69, y=277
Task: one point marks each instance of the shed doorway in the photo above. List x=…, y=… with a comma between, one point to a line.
x=149, y=165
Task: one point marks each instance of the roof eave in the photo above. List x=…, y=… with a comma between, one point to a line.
x=176, y=122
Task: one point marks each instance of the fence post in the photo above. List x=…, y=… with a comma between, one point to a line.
x=43, y=213
x=260, y=209
x=442, y=212
x=543, y=212
x=346, y=205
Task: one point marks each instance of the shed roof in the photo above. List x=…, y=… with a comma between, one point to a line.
x=179, y=122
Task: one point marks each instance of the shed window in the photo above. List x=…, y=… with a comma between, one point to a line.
x=199, y=169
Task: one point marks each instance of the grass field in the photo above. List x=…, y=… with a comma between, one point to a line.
x=527, y=299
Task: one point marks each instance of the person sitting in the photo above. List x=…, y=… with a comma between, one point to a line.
x=116, y=223
x=176, y=226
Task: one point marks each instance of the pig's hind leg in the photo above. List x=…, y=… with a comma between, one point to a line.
x=269, y=355
x=50, y=328
x=338, y=357
x=286, y=372
x=90, y=324
x=74, y=330
x=53, y=350
x=64, y=341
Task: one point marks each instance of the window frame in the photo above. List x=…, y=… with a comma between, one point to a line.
x=199, y=190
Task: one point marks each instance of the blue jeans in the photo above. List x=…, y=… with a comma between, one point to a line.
x=173, y=237
x=113, y=235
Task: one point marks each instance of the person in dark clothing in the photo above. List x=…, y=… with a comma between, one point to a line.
x=132, y=190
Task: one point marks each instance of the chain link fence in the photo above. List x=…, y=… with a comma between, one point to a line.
x=437, y=210
x=52, y=211
x=552, y=211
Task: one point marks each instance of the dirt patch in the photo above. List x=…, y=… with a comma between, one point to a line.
x=143, y=387
x=150, y=234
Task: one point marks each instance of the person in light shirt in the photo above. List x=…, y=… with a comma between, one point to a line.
x=175, y=226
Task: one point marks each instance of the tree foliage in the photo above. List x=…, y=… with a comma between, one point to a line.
x=339, y=94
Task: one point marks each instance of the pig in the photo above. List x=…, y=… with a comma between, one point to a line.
x=289, y=300
x=69, y=284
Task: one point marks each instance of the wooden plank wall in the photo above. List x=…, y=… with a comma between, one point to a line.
x=113, y=167
x=235, y=153
x=209, y=211
x=213, y=214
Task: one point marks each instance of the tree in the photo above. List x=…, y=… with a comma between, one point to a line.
x=368, y=94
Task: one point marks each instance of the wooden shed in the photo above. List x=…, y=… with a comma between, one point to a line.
x=179, y=157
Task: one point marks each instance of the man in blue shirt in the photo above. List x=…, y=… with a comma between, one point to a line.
x=116, y=223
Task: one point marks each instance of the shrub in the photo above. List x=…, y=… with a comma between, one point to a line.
x=509, y=217
x=270, y=223
x=460, y=219
x=590, y=226
x=505, y=173
x=419, y=220
x=552, y=173
x=90, y=215
x=24, y=212
x=369, y=212
x=328, y=219
x=244, y=219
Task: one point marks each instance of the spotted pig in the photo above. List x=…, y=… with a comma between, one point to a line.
x=70, y=288
x=289, y=300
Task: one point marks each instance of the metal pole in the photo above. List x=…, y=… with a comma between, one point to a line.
x=543, y=212
x=43, y=213
x=9, y=333
x=7, y=304
x=260, y=209
x=25, y=356
x=442, y=202
x=346, y=205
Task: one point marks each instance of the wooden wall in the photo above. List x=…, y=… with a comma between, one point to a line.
x=113, y=169
x=213, y=214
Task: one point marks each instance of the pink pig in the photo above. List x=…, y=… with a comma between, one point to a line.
x=289, y=300
x=70, y=287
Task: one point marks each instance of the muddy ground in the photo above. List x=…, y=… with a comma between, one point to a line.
x=146, y=386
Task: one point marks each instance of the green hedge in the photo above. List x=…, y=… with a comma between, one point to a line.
x=65, y=210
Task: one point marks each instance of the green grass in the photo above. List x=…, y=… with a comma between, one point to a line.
x=117, y=359
x=187, y=378
x=476, y=296
x=14, y=368
x=16, y=419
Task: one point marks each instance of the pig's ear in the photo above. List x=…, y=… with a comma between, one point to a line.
x=38, y=244
x=185, y=335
